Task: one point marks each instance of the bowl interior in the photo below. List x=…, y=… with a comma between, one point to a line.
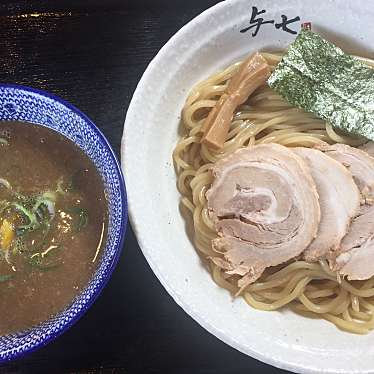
x=29, y=105
x=208, y=43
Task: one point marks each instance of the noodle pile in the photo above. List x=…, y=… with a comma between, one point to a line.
x=311, y=289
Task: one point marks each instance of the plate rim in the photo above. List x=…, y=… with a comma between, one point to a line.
x=202, y=321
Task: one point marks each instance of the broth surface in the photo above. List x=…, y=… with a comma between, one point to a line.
x=53, y=218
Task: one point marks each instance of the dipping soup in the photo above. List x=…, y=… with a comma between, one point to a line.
x=53, y=221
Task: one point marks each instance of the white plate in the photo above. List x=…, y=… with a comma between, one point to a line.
x=210, y=42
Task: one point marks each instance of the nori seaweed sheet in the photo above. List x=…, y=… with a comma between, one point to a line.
x=319, y=77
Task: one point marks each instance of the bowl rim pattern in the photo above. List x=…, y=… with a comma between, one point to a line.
x=33, y=339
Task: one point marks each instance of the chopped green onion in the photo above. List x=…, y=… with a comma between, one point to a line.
x=3, y=141
x=19, y=246
x=33, y=213
x=30, y=216
x=80, y=215
x=49, y=195
x=5, y=183
x=3, y=205
x=4, y=278
x=48, y=204
x=7, y=256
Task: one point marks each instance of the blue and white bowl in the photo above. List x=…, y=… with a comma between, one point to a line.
x=19, y=103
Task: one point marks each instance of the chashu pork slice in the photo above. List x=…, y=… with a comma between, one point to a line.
x=355, y=257
x=358, y=162
x=368, y=148
x=339, y=200
x=264, y=203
